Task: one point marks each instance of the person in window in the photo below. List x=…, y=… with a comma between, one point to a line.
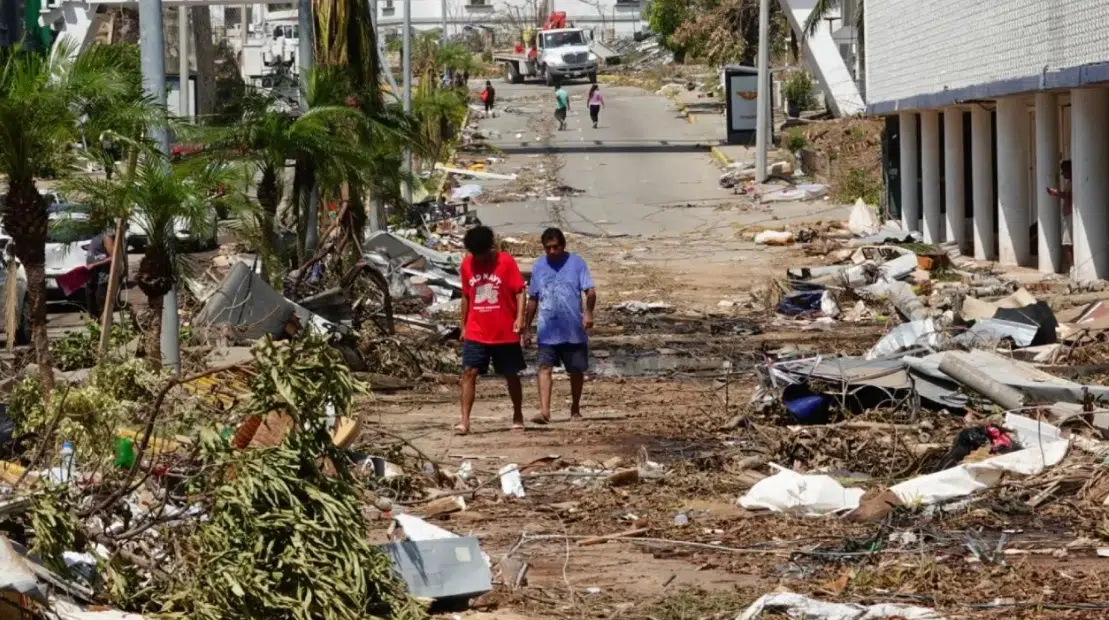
x=1063, y=193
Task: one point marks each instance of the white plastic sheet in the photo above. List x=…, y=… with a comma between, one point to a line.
x=806, y=494
x=1044, y=447
x=804, y=608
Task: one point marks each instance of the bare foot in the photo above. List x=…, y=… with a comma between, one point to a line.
x=462, y=429
x=540, y=419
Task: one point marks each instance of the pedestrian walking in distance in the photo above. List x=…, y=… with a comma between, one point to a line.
x=596, y=102
x=562, y=106
x=559, y=279
x=493, y=303
x=488, y=97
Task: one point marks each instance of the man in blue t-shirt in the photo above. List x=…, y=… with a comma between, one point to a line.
x=557, y=283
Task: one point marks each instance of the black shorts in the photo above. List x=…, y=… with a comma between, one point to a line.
x=574, y=357
x=560, y=114
x=508, y=359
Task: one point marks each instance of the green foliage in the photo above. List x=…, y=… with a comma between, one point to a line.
x=799, y=89
x=93, y=412
x=285, y=538
x=79, y=349
x=852, y=183
x=53, y=521
x=665, y=16
x=724, y=31
x=795, y=140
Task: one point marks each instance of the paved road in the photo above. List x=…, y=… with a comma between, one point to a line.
x=639, y=171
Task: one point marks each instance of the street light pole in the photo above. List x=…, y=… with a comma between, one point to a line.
x=306, y=48
x=183, y=61
x=152, y=50
x=407, y=70
x=761, y=133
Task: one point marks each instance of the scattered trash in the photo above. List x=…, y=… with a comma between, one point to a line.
x=810, y=495
x=511, y=484
x=642, y=307
x=800, y=606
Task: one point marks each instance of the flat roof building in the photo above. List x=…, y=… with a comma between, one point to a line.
x=984, y=101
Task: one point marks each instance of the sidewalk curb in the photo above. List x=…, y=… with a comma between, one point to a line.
x=720, y=157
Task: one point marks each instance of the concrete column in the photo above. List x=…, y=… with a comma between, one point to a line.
x=1014, y=243
x=932, y=192
x=1090, y=169
x=910, y=206
x=1047, y=175
x=981, y=175
x=954, y=173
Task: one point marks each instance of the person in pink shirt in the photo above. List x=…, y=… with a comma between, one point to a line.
x=596, y=102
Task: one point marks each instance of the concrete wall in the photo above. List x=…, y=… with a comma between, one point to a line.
x=605, y=17
x=924, y=48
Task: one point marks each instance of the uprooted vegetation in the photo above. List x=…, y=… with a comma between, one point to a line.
x=213, y=523
x=847, y=153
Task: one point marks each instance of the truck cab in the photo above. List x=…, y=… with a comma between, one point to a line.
x=563, y=53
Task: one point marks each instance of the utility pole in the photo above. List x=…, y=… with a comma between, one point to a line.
x=407, y=70
x=306, y=40
x=152, y=49
x=183, y=61
x=761, y=133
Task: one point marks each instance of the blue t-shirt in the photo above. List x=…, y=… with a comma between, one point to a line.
x=558, y=287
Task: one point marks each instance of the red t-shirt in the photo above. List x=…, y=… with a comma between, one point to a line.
x=491, y=291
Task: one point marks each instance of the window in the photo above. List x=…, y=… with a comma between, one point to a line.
x=389, y=9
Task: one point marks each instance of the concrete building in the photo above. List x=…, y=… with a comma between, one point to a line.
x=983, y=102
x=607, y=18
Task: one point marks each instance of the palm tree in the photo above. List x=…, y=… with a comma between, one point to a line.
x=335, y=136
x=158, y=197
x=825, y=8
x=41, y=98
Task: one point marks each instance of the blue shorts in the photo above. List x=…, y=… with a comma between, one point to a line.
x=508, y=359
x=574, y=357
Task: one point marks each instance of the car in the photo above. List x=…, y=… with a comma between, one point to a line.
x=67, y=238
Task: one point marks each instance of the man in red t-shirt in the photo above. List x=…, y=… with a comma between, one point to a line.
x=493, y=306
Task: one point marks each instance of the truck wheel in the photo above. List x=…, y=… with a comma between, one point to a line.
x=512, y=73
x=548, y=78
x=592, y=77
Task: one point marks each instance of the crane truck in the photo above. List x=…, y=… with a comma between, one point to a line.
x=553, y=54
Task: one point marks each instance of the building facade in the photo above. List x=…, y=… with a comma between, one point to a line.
x=984, y=101
x=607, y=19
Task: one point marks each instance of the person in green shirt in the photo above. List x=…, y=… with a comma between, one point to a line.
x=562, y=106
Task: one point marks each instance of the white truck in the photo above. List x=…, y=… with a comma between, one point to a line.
x=559, y=54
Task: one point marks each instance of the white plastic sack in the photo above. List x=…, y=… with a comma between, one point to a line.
x=809, y=495
x=1043, y=447
x=774, y=237
x=511, y=484
x=803, y=607
x=863, y=221
x=828, y=305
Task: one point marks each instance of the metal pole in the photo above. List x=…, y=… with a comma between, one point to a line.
x=244, y=28
x=761, y=134
x=183, y=61
x=306, y=40
x=443, y=9
x=407, y=70
x=152, y=49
